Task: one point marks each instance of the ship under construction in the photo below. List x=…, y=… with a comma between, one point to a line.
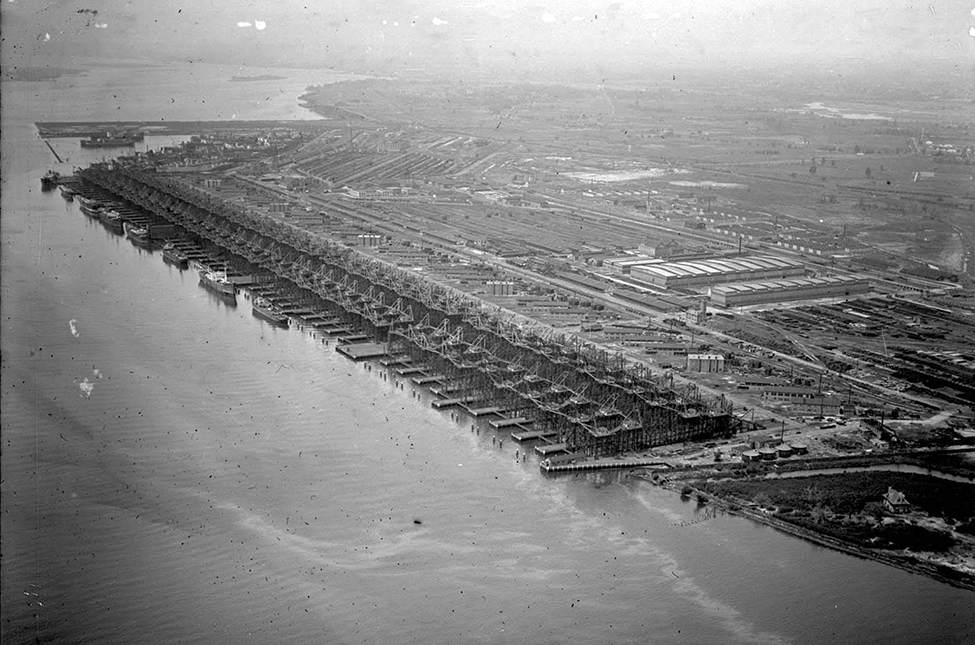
x=584, y=397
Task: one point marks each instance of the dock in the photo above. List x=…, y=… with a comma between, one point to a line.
x=362, y=351
x=392, y=361
x=446, y=389
x=480, y=412
x=449, y=403
x=407, y=371
x=498, y=424
x=353, y=339
x=528, y=435
x=550, y=448
x=601, y=464
x=333, y=330
x=424, y=380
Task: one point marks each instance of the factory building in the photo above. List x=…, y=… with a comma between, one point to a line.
x=755, y=293
x=624, y=265
x=707, y=363
x=677, y=275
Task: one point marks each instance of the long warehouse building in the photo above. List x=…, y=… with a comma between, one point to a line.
x=677, y=275
x=771, y=291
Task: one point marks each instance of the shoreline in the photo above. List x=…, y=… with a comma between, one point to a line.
x=57, y=129
x=739, y=507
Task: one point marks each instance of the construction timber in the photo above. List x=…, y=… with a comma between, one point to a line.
x=590, y=399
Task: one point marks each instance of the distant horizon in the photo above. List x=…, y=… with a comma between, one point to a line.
x=885, y=80
x=577, y=39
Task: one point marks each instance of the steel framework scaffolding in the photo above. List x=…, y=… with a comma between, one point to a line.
x=592, y=399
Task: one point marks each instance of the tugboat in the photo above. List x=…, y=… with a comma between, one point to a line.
x=263, y=308
x=217, y=282
x=139, y=235
x=174, y=256
x=50, y=181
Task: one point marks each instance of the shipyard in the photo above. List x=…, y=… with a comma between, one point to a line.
x=488, y=322
x=597, y=328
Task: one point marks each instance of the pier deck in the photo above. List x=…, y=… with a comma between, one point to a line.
x=362, y=351
x=353, y=338
x=550, y=448
x=528, y=435
x=601, y=464
x=507, y=422
x=333, y=330
x=480, y=412
x=447, y=403
x=396, y=360
x=406, y=371
x=446, y=389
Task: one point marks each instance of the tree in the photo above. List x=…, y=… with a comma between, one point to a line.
x=812, y=168
x=868, y=172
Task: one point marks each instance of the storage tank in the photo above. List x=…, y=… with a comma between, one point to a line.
x=767, y=454
x=799, y=449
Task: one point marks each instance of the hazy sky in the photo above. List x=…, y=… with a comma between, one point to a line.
x=495, y=34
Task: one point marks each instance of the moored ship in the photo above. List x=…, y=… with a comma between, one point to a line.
x=90, y=206
x=50, y=180
x=174, y=256
x=67, y=192
x=217, y=282
x=139, y=235
x=265, y=309
x=112, y=219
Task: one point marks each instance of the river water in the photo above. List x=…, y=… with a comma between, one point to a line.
x=177, y=471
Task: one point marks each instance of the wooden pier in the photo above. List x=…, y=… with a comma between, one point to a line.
x=424, y=380
x=529, y=435
x=550, y=448
x=353, y=338
x=481, y=412
x=362, y=351
x=333, y=330
x=446, y=389
x=508, y=422
x=601, y=464
x=407, y=371
x=449, y=403
x=392, y=361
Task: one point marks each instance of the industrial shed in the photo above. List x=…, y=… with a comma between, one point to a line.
x=676, y=275
x=770, y=291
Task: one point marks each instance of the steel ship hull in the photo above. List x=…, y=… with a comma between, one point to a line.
x=219, y=285
x=264, y=311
